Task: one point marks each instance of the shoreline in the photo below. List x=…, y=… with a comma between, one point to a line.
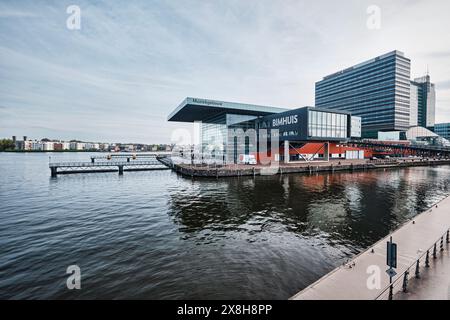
x=192, y=171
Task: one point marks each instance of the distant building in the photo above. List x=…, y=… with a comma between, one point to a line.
x=18, y=145
x=27, y=145
x=37, y=146
x=91, y=146
x=422, y=102
x=377, y=90
x=77, y=146
x=65, y=145
x=48, y=146
x=442, y=129
x=57, y=146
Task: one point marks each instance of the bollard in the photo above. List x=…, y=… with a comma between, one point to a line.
x=442, y=243
x=427, y=259
x=417, y=270
x=448, y=236
x=405, y=281
x=434, y=252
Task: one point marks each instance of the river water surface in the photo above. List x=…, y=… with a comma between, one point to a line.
x=156, y=235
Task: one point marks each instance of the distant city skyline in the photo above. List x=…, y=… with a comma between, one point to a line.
x=118, y=77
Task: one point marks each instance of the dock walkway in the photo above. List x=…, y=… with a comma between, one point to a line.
x=427, y=235
x=105, y=166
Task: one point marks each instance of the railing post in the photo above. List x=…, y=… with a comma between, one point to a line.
x=427, y=259
x=391, y=291
x=417, y=269
x=448, y=236
x=405, y=281
x=442, y=243
x=434, y=252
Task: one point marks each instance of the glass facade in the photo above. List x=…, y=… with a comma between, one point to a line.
x=424, y=97
x=414, y=105
x=214, y=135
x=442, y=129
x=327, y=124
x=378, y=91
x=229, y=131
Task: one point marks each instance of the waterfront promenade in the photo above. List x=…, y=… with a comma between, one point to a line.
x=427, y=232
x=434, y=283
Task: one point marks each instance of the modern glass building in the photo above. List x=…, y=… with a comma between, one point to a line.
x=442, y=129
x=377, y=90
x=423, y=102
x=221, y=123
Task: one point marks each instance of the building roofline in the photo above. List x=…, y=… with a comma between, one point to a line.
x=218, y=106
x=359, y=65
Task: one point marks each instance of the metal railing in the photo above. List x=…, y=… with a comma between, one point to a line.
x=103, y=164
x=404, y=276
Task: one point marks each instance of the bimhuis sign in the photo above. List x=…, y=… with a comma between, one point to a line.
x=285, y=120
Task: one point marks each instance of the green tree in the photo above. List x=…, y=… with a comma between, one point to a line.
x=6, y=144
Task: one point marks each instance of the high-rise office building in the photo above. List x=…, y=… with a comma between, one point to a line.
x=423, y=102
x=377, y=90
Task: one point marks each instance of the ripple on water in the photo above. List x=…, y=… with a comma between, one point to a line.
x=155, y=235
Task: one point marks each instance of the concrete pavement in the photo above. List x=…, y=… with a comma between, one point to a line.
x=350, y=282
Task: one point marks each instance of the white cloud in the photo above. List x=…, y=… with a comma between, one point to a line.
x=129, y=66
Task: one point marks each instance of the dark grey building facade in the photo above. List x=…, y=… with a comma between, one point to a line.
x=377, y=90
x=423, y=102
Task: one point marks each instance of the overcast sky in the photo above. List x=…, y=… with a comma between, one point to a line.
x=131, y=63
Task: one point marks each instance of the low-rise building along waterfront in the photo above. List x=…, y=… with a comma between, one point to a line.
x=226, y=129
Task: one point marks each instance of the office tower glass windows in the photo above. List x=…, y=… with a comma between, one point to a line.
x=378, y=91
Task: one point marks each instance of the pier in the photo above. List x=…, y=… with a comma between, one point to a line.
x=127, y=163
x=237, y=170
x=421, y=242
x=129, y=156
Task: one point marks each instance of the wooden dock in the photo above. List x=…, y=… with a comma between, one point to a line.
x=419, y=242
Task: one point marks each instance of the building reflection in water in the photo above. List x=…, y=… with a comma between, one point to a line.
x=350, y=209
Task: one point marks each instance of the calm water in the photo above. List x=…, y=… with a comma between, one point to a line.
x=155, y=235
